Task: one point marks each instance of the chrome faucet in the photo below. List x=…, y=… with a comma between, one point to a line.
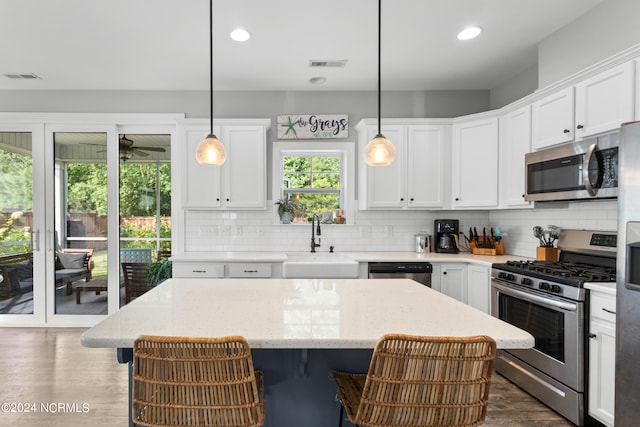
x=317, y=231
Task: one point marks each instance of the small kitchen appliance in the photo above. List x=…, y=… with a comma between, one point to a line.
x=446, y=235
x=548, y=299
x=586, y=169
x=423, y=243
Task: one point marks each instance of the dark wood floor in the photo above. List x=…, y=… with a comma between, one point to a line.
x=48, y=366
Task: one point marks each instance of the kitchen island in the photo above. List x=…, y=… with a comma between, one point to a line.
x=300, y=330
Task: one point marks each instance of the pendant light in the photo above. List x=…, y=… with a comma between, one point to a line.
x=379, y=151
x=210, y=150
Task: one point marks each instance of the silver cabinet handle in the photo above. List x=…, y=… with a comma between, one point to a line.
x=198, y=271
x=250, y=271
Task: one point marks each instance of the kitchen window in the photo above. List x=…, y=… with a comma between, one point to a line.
x=318, y=177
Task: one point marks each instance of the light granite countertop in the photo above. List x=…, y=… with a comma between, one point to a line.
x=298, y=313
x=266, y=256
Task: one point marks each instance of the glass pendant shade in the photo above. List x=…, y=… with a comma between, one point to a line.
x=210, y=151
x=379, y=151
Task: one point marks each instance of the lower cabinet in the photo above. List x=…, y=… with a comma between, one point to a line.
x=479, y=287
x=218, y=270
x=453, y=280
x=467, y=283
x=602, y=357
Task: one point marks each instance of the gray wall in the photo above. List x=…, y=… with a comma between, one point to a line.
x=600, y=33
x=515, y=88
x=256, y=104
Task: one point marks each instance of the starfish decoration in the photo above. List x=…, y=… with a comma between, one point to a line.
x=290, y=126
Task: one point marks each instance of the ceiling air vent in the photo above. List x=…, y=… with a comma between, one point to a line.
x=27, y=76
x=340, y=63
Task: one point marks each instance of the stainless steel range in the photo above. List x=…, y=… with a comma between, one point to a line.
x=548, y=300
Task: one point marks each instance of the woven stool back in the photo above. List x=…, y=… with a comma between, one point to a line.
x=181, y=381
x=427, y=381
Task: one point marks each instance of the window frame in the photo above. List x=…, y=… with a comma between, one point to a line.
x=345, y=150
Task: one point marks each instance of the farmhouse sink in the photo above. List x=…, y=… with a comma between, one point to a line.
x=302, y=265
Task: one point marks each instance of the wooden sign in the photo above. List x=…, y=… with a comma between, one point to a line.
x=313, y=126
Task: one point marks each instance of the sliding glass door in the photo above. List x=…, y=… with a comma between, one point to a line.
x=21, y=222
x=76, y=201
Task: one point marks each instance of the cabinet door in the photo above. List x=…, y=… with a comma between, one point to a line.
x=245, y=184
x=478, y=287
x=453, y=281
x=385, y=185
x=605, y=101
x=602, y=364
x=202, y=186
x=514, y=144
x=475, y=164
x=552, y=119
x=425, y=166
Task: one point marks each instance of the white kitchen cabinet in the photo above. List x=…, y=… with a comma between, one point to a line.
x=515, y=142
x=479, y=287
x=605, y=101
x=190, y=269
x=453, y=280
x=595, y=105
x=240, y=183
x=475, y=164
x=602, y=345
x=213, y=269
x=416, y=179
x=254, y=269
x=552, y=119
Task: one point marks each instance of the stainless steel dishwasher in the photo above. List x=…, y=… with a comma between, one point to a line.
x=418, y=271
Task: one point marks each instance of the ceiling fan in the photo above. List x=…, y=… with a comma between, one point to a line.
x=127, y=149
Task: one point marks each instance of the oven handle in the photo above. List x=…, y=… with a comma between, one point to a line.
x=526, y=296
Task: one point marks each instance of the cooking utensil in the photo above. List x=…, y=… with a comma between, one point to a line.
x=537, y=232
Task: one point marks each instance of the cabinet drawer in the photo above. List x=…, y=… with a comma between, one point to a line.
x=198, y=269
x=249, y=270
x=603, y=306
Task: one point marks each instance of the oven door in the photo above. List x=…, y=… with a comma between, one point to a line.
x=556, y=324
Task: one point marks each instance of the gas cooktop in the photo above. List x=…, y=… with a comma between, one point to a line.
x=570, y=273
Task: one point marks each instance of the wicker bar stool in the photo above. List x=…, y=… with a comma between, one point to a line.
x=420, y=381
x=182, y=381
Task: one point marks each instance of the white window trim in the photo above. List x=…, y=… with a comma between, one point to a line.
x=346, y=150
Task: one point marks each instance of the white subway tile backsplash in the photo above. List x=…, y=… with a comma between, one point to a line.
x=387, y=230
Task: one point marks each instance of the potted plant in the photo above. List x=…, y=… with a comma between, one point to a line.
x=286, y=210
x=158, y=271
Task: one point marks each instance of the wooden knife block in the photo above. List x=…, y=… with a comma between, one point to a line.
x=546, y=254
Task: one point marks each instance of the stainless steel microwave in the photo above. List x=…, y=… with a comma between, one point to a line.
x=585, y=169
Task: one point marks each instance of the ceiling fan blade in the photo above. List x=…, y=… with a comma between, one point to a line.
x=158, y=149
x=140, y=153
x=124, y=141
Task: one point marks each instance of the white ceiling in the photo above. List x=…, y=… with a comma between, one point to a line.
x=164, y=44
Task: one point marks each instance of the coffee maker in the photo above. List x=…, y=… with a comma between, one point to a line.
x=446, y=235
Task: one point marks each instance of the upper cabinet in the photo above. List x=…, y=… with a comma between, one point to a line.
x=605, y=101
x=475, y=164
x=240, y=183
x=416, y=179
x=515, y=142
x=598, y=104
x=552, y=121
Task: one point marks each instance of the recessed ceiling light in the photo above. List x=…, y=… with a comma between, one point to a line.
x=469, y=33
x=317, y=80
x=240, y=35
